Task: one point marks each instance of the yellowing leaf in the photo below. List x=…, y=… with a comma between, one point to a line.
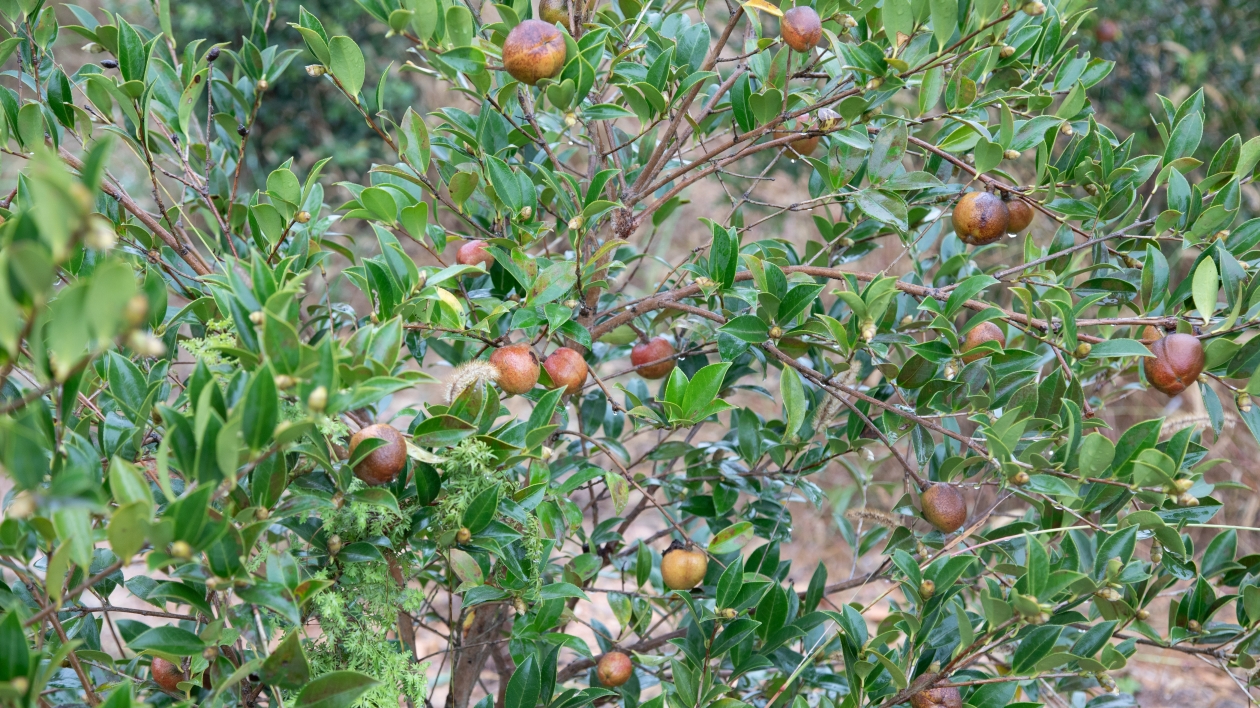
x=763, y=6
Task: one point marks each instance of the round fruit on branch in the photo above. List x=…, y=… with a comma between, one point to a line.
x=473, y=253
x=567, y=369
x=614, y=669
x=166, y=674
x=1021, y=215
x=980, y=218
x=683, y=567
x=553, y=12
x=944, y=697
x=944, y=507
x=1177, y=363
x=981, y=333
x=518, y=367
x=801, y=28
x=382, y=465
x=653, y=358
x=534, y=50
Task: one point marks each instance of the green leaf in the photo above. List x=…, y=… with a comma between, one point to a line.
x=1113, y=348
x=732, y=538
x=1073, y=103
x=748, y=328
x=504, y=182
x=466, y=567
x=794, y=401
x=339, y=689
x=898, y=19
x=1096, y=455
x=944, y=21
x=1185, y=138
x=481, y=510
x=441, y=431
x=704, y=388
x=261, y=409
x=175, y=641
x=287, y=666
x=15, y=652
x=988, y=155
x=888, y=150
x=347, y=65
x=524, y=686
x=1035, y=646
x=1206, y=286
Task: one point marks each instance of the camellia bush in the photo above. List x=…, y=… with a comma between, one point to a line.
x=216, y=497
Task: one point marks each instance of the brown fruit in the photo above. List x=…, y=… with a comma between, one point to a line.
x=1106, y=31
x=943, y=507
x=382, y=465
x=1021, y=215
x=1151, y=333
x=801, y=28
x=473, y=253
x=801, y=147
x=566, y=368
x=614, y=669
x=166, y=674
x=683, y=568
x=650, y=351
x=981, y=333
x=945, y=697
x=553, y=11
x=980, y=218
x=534, y=50
x=518, y=367
x=1177, y=363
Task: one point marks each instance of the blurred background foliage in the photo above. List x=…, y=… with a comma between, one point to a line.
x=1159, y=46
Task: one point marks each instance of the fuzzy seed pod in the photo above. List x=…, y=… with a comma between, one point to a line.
x=471, y=374
x=874, y=516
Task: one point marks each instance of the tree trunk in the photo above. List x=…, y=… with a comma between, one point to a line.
x=471, y=655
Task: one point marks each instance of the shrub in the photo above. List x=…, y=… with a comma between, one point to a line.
x=199, y=385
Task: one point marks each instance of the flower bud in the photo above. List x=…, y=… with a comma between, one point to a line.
x=1091, y=189
x=1194, y=626
x=316, y=70
x=262, y=513
x=1007, y=51
x=1021, y=478
x=951, y=370
x=927, y=589
x=100, y=234
x=776, y=332
x=727, y=613
x=1183, y=484
x=575, y=223
x=463, y=535
x=846, y=242
x=1187, y=499
x=181, y=550
x=1082, y=350
x=526, y=213
x=137, y=310
x=570, y=119
x=1108, y=594
x=334, y=545
x=257, y=317
x=1068, y=129
x=874, y=83
x=1011, y=154
x=20, y=684
x=1143, y=615
x=338, y=500
x=571, y=303
x=262, y=85
x=1157, y=554
x=210, y=653
x=519, y=605
x=1034, y=8
x=869, y=330
x=318, y=400
x=846, y=21
x=93, y=48
x=302, y=217
x=283, y=381
x=907, y=320
x=145, y=344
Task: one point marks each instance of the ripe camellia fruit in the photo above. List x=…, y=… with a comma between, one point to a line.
x=1021, y=215
x=567, y=369
x=614, y=669
x=166, y=674
x=518, y=367
x=1177, y=363
x=682, y=567
x=945, y=697
x=801, y=28
x=652, y=351
x=943, y=507
x=534, y=50
x=980, y=218
x=1106, y=31
x=802, y=146
x=382, y=465
x=553, y=11
x=473, y=253
x=981, y=333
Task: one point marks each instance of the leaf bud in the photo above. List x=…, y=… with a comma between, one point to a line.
x=868, y=330
x=1187, y=499
x=318, y=400
x=1183, y=484
x=874, y=83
